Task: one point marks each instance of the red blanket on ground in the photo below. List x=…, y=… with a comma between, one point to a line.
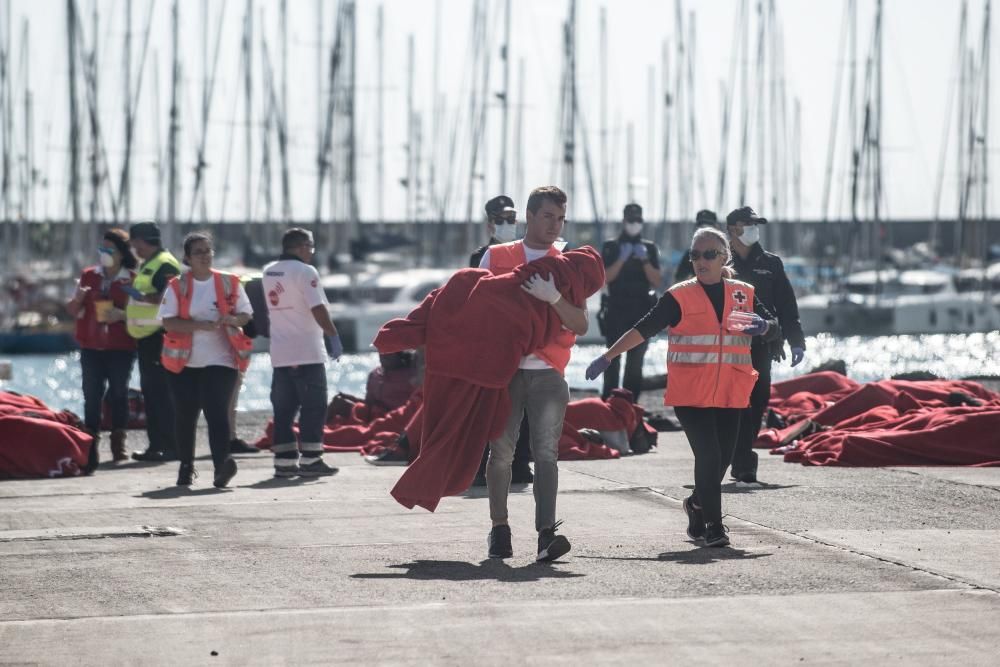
x=475, y=330
x=36, y=441
x=891, y=422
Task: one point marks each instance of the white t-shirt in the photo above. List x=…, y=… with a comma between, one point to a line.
x=208, y=348
x=530, y=362
x=292, y=290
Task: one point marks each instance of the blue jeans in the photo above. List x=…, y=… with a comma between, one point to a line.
x=298, y=390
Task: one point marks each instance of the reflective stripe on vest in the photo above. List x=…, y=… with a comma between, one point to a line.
x=708, y=366
x=504, y=258
x=177, y=346
x=140, y=317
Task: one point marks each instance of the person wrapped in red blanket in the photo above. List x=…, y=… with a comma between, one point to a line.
x=893, y=422
x=36, y=441
x=475, y=330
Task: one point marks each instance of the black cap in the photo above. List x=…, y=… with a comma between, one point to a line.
x=706, y=218
x=144, y=231
x=498, y=205
x=746, y=215
x=632, y=213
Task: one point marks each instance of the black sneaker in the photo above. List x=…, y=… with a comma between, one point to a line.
x=285, y=473
x=550, y=545
x=696, y=519
x=317, y=469
x=499, y=542
x=225, y=473
x=716, y=534
x=154, y=456
x=186, y=474
x=241, y=446
x=520, y=473
x=389, y=456
x=748, y=478
x=479, y=480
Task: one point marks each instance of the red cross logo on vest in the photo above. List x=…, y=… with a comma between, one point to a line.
x=739, y=297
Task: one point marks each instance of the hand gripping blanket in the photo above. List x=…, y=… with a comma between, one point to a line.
x=475, y=330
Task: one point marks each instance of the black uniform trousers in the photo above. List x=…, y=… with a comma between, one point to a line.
x=711, y=432
x=157, y=398
x=619, y=321
x=744, y=457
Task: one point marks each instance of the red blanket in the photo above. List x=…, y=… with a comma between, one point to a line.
x=475, y=330
x=892, y=422
x=36, y=441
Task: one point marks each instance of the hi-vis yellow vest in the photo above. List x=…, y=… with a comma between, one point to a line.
x=140, y=316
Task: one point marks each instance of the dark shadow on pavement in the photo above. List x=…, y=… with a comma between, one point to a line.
x=180, y=492
x=279, y=482
x=449, y=570
x=698, y=556
x=739, y=487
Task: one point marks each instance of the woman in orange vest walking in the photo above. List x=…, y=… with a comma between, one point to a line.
x=709, y=373
x=204, y=350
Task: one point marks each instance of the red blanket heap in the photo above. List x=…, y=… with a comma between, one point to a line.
x=892, y=422
x=475, y=330
x=35, y=441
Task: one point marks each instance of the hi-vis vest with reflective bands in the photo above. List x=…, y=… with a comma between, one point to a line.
x=708, y=366
x=177, y=346
x=504, y=258
x=140, y=317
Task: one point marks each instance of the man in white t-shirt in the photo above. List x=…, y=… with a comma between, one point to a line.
x=538, y=390
x=297, y=308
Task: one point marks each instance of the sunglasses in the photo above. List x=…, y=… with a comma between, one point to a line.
x=708, y=254
x=505, y=220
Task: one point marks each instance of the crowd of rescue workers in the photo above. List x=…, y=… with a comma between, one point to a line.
x=727, y=316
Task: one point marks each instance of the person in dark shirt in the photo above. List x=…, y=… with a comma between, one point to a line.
x=774, y=293
x=705, y=409
x=684, y=270
x=632, y=267
x=501, y=225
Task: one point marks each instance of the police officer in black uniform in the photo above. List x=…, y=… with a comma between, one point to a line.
x=684, y=270
x=632, y=268
x=773, y=291
x=501, y=225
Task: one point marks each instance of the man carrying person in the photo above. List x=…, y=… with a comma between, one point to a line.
x=539, y=388
x=298, y=322
x=157, y=268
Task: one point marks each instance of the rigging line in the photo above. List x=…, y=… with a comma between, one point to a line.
x=728, y=97
x=123, y=183
x=831, y=148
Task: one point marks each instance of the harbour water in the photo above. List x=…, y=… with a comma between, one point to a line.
x=56, y=378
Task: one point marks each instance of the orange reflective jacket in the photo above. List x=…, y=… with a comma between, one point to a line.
x=177, y=346
x=709, y=366
x=504, y=258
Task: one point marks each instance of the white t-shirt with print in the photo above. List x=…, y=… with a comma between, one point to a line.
x=208, y=348
x=531, y=362
x=292, y=290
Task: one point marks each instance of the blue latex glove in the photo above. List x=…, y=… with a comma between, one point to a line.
x=334, y=347
x=758, y=328
x=624, y=251
x=640, y=252
x=597, y=366
x=798, y=354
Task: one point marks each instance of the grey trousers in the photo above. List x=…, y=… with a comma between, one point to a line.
x=543, y=395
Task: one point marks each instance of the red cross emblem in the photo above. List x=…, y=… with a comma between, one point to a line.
x=739, y=297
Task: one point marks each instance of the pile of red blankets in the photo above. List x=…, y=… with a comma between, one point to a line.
x=36, y=441
x=833, y=420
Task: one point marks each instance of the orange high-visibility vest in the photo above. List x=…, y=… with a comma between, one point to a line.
x=177, y=346
x=504, y=258
x=707, y=365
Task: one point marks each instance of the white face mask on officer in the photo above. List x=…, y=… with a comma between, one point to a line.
x=633, y=229
x=751, y=235
x=505, y=233
x=107, y=259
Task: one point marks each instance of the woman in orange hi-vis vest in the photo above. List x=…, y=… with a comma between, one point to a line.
x=204, y=350
x=709, y=373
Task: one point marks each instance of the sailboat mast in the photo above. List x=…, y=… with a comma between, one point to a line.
x=505, y=98
x=172, y=137
x=124, y=188
x=74, y=138
x=605, y=158
x=247, y=46
x=380, y=120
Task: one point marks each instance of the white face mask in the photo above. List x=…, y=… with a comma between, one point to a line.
x=633, y=228
x=107, y=260
x=505, y=233
x=750, y=235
